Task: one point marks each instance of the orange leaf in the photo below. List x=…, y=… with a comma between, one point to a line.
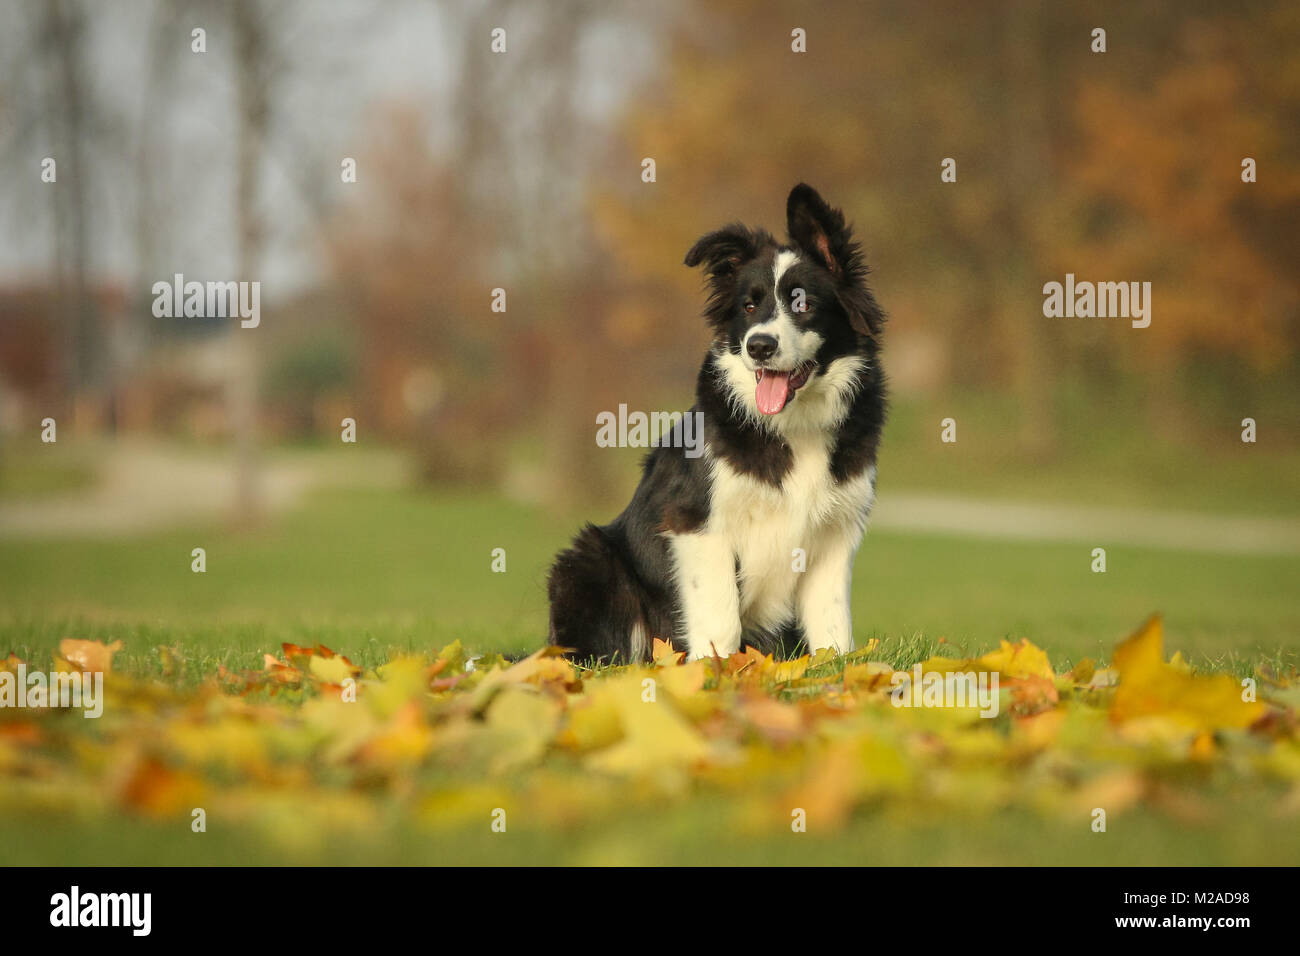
x=280, y=671
x=89, y=655
x=665, y=655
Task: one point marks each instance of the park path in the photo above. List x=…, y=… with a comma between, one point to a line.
x=1100, y=526
x=147, y=486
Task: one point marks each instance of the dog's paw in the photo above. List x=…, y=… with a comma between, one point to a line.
x=723, y=648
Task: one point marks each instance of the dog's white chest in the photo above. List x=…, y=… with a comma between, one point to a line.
x=777, y=534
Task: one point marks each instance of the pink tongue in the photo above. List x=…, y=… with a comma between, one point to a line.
x=772, y=392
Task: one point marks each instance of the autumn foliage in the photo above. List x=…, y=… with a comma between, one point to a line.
x=1119, y=166
x=312, y=743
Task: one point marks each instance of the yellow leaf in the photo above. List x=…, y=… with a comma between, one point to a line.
x=790, y=670
x=454, y=655
x=233, y=743
x=400, y=680
x=1019, y=660
x=825, y=656
x=171, y=660
x=1083, y=671
x=943, y=665
x=655, y=734
x=664, y=655
x=546, y=666
x=331, y=670
x=592, y=724
x=403, y=742
x=1149, y=687
x=685, y=680
x=523, y=723
x=869, y=675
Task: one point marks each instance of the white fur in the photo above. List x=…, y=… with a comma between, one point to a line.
x=794, y=346
x=784, y=260
x=760, y=526
x=704, y=563
x=820, y=406
x=638, y=642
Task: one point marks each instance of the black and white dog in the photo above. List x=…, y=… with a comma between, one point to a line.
x=751, y=543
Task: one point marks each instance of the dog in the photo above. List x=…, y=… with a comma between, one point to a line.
x=752, y=542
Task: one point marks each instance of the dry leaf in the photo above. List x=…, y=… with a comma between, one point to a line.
x=89, y=655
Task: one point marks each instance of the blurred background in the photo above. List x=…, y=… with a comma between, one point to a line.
x=522, y=170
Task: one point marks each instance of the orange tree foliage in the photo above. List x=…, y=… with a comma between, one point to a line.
x=1120, y=166
x=1116, y=166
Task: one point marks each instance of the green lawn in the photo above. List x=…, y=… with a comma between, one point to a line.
x=1111, y=452
x=32, y=471
x=692, y=834
x=372, y=572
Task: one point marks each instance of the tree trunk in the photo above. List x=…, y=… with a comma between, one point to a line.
x=253, y=106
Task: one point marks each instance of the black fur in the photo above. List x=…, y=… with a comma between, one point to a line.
x=616, y=577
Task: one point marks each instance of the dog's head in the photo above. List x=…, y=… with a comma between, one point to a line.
x=783, y=314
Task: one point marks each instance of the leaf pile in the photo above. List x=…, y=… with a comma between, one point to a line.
x=314, y=744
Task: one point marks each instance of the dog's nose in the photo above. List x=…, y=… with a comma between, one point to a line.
x=760, y=347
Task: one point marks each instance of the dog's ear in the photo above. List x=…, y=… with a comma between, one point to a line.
x=722, y=253
x=817, y=229
x=724, y=250
x=820, y=231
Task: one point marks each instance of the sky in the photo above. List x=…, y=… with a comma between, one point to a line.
x=345, y=62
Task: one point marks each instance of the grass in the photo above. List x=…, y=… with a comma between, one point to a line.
x=688, y=835
x=1101, y=448
x=30, y=471
x=370, y=573
x=1104, y=457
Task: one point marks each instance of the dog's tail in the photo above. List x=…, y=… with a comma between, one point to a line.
x=597, y=603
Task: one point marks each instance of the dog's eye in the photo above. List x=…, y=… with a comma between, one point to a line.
x=749, y=307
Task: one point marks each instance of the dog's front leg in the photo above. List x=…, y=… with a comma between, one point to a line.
x=710, y=600
x=823, y=594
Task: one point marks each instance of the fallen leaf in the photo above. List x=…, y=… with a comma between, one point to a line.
x=89, y=655
x=1149, y=687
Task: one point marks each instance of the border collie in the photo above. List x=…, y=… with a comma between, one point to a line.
x=751, y=543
